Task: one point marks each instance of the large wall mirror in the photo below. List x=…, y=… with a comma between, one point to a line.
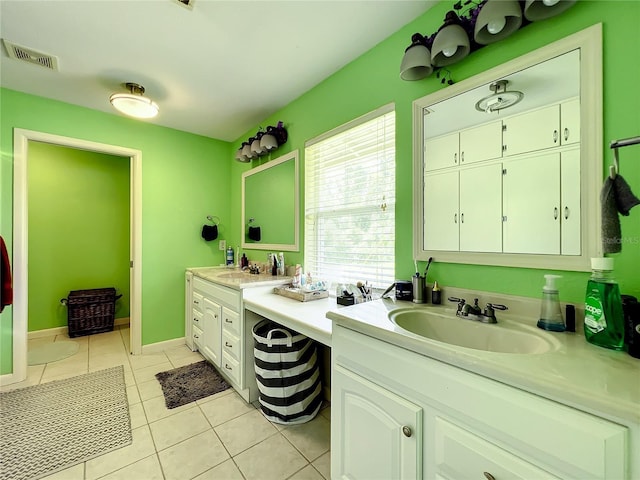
x=508, y=163
x=270, y=205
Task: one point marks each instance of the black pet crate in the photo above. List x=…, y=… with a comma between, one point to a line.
x=90, y=311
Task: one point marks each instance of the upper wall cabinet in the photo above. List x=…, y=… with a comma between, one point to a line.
x=514, y=185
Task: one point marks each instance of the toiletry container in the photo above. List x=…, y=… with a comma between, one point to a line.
x=404, y=290
x=550, y=312
x=603, y=318
x=230, y=256
x=418, y=289
x=631, y=311
x=436, y=294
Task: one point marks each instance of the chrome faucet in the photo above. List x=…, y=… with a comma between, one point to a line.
x=474, y=312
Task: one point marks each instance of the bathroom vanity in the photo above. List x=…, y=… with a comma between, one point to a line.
x=406, y=406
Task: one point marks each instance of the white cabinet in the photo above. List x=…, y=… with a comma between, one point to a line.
x=481, y=143
x=463, y=210
x=541, y=206
x=531, y=205
x=571, y=211
x=470, y=424
x=441, y=205
x=211, y=347
x=376, y=433
x=215, y=325
x=533, y=130
x=481, y=209
x=570, y=121
x=441, y=152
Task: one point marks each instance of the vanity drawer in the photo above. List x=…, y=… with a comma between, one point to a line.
x=231, y=345
x=461, y=454
x=224, y=296
x=231, y=321
x=231, y=367
x=198, y=337
x=196, y=318
x=197, y=300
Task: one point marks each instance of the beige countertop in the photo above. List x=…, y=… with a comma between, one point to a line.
x=237, y=279
x=594, y=379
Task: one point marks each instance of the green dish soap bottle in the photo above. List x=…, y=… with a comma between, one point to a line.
x=603, y=318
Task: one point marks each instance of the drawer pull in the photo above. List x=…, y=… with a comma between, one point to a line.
x=227, y=344
x=406, y=431
x=555, y=136
x=196, y=302
x=228, y=321
x=195, y=336
x=226, y=365
x=488, y=476
x=566, y=134
x=195, y=319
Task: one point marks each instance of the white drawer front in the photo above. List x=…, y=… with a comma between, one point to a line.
x=231, y=345
x=231, y=367
x=196, y=318
x=198, y=337
x=197, y=300
x=225, y=296
x=230, y=321
x=461, y=454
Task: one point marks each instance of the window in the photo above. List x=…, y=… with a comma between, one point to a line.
x=350, y=201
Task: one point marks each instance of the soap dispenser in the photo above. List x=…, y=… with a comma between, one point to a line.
x=550, y=313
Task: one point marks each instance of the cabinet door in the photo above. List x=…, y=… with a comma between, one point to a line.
x=570, y=202
x=481, y=209
x=441, y=228
x=531, y=205
x=212, y=344
x=460, y=454
x=532, y=131
x=375, y=434
x=570, y=121
x=441, y=152
x=481, y=143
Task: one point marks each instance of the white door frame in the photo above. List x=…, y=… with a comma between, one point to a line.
x=21, y=139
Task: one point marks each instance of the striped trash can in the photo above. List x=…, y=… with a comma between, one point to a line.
x=287, y=372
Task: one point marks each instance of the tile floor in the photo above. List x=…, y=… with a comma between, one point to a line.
x=218, y=437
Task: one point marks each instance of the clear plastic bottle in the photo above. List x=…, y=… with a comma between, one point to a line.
x=603, y=320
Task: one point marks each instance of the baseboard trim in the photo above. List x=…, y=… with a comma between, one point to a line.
x=50, y=332
x=160, y=346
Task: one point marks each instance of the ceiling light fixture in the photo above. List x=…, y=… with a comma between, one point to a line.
x=500, y=98
x=134, y=104
x=535, y=10
x=451, y=43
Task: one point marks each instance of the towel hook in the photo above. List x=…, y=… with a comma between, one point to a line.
x=615, y=145
x=211, y=219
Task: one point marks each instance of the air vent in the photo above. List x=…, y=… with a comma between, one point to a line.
x=31, y=56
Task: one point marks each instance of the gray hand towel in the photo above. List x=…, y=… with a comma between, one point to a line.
x=625, y=199
x=611, y=233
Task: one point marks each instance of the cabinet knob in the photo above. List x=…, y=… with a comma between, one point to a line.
x=227, y=320
x=196, y=302
x=555, y=136
x=462, y=157
x=195, y=319
x=455, y=218
x=455, y=158
x=566, y=213
x=462, y=218
x=488, y=476
x=406, y=431
x=195, y=336
x=566, y=134
x=555, y=213
x=226, y=365
x=227, y=344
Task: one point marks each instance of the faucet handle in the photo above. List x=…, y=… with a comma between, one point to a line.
x=456, y=299
x=497, y=306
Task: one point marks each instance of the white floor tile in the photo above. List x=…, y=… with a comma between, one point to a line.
x=272, y=459
x=143, y=361
x=137, y=415
x=307, y=473
x=141, y=447
x=224, y=408
x=192, y=457
x=149, y=373
x=145, y=469
x=156, y=408
x=178, y=427
x=149, y=389
x=323, y=465
x=312, y=439
x=244, y=431
x=133, y=396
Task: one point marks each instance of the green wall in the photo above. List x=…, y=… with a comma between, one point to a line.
x=185, y=177
x=78, y=229
x=373, y=80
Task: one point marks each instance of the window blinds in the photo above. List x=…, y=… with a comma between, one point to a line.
x=350, y=202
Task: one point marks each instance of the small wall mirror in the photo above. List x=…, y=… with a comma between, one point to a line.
x=270, y=205
x=508, y=163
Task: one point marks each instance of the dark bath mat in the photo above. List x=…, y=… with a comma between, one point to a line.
x=190, y=383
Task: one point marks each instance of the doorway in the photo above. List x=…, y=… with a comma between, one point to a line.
x=20, y=240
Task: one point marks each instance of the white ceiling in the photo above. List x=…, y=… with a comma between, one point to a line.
x=218, y=69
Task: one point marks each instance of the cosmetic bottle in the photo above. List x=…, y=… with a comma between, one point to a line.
x=550, y=313
x=603, y=317
x=436, y=294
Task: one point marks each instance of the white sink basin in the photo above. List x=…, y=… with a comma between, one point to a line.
x=503, y=337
